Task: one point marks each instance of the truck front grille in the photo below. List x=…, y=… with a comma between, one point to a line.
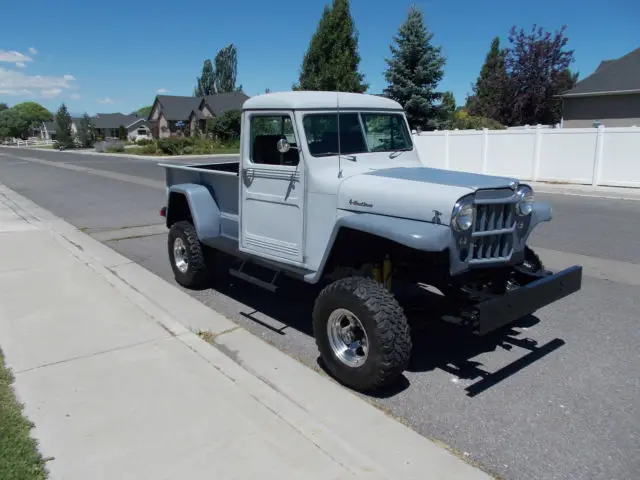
x=493, y=227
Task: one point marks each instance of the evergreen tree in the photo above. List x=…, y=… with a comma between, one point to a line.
x=205, y=84
x=490, y=97
x=415, y=70
x=332, y=60
x=86, y=132
x=226, y=69
x=64, y=133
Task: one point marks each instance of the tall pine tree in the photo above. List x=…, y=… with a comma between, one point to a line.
x=64, y=133
x=414, y=71
x=332, y=60
x=490, y=97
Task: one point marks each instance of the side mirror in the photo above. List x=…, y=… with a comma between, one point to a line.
x=283, y=145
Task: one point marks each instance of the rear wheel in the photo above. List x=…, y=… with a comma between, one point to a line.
x=362, y=333
x=187, y=255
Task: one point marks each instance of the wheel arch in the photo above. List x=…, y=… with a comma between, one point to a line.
x=374, y=230
x=195, y=203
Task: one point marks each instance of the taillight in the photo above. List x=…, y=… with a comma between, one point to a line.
x=163, y=212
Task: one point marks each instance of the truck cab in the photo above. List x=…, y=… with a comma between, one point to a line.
x=329, y=189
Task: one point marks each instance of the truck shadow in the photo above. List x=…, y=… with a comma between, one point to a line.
x=436, y=344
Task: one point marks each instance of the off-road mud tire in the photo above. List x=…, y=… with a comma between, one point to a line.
x=386, y=326
x=197, y=272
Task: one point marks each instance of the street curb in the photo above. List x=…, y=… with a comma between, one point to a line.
x=337, y=420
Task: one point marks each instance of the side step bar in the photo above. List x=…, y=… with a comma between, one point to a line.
x=254, y=280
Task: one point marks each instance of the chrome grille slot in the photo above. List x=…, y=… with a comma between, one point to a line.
x=493, y=229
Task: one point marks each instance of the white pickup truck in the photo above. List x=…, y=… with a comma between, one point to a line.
x=329, y=190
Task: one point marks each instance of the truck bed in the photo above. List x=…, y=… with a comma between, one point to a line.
x=221, y=179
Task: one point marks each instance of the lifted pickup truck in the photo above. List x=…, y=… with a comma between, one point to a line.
x=329, y=190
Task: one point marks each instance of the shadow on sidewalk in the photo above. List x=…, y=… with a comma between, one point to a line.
x=436, y=344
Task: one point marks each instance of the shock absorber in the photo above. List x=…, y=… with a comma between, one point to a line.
x=386, y=272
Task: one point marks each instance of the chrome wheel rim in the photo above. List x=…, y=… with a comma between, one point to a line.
x=347, y=338
x=180, y=255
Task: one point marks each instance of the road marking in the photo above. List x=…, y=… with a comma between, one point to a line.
x=600, y=268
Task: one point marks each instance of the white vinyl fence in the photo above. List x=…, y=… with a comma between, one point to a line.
x=588, y=156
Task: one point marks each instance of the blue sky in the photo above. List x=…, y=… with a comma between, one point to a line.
x=115, y=57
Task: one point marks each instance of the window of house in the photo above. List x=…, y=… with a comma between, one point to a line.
x=266, y=130
x=142, y=131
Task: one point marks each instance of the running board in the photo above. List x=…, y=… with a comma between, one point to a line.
x=256, y=281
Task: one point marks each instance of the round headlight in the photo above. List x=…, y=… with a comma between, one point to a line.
x=463, y=217
x=525, y=204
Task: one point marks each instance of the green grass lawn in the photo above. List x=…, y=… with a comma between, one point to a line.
x=19, y=456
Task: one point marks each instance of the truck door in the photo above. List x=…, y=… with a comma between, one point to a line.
x=272, y=189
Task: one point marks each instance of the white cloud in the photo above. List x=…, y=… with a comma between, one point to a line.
x=16, y=92
x=162, y=90
x=11, y=56
x=51, y=92
x=75, y=96
x=21, y=65
x=105, y=101
x=32, y=51
x=11, y=80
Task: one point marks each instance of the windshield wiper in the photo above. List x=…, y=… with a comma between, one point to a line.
x=347, y=156
x=398, y=152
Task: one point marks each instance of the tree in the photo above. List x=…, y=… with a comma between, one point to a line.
x=122, y=133
x=3, y=106
x=490, y=97
x=537, y=65
x=143, y=112
x=226, y=61
x=447, y=108
x=205, y=84
x=64, y=132
x=225, y=127
x=332, y=60
x=86, y=132
x=414, y=71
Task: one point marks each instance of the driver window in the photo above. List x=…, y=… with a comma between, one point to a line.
x=266, y=130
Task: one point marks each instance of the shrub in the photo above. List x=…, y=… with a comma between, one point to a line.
x=144, y=141
x=174, y=145
x=115, y=148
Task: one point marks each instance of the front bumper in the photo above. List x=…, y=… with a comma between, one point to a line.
x=489, y=315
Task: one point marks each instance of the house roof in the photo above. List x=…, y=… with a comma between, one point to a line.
x=223, y=102
x=308, y=100
x=175, y=107
x=615, y=76
x=114, y=120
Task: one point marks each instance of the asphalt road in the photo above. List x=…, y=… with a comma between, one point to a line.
x=555, y=398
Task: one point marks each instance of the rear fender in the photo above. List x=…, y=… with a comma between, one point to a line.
x=202, y=208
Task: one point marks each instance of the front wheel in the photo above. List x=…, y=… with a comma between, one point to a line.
x=362, y=333
x=186, y=254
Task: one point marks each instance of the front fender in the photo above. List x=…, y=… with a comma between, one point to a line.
x=419, y=235
x=542, y=212
x=202, y=207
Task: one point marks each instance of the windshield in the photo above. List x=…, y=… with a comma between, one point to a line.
x=359, y=133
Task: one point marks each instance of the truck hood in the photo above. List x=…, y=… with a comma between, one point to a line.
x=420, y=193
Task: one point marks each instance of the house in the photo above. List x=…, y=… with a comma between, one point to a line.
x=610, y=96
x=107, y=125
x=173, y=115
x=48, y=130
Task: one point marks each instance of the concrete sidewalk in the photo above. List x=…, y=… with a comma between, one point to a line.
x=119, y=386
